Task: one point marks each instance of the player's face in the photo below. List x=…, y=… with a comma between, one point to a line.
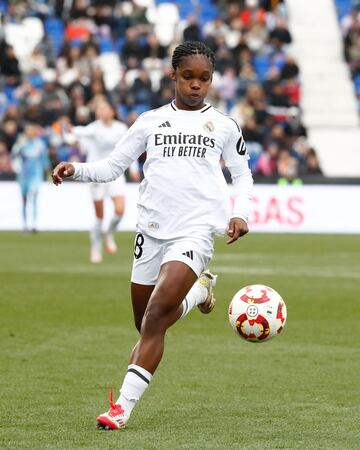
x=192, y=79
x=30, y=131
x=104, y=112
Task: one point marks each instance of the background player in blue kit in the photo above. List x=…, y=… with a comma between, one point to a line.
x=183, y=204
x=31, y=159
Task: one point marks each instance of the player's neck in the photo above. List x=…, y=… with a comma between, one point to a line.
x=182, y=106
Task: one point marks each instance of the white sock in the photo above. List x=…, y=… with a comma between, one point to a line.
x=195, y=296
x=95, y=234
x=134, y=385
x=116, y=219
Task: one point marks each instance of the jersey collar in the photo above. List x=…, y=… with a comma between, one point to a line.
x=202, y=110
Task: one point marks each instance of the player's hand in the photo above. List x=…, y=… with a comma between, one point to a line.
x=61, y=171
x=237, y=228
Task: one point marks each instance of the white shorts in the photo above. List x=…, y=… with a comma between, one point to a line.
x=150, y=253
x=114, y=188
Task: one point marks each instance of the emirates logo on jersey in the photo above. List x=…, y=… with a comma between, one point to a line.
x=209, y=126
x=184, y=145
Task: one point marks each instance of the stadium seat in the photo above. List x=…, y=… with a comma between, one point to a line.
x=261, y=65
x=140, y=108
x=9, y=92
x=165, y=18
x=54, y=28
x=3, y=6
x=106, y=44
x=357, y=83
x=110, y=65
x=343, y=7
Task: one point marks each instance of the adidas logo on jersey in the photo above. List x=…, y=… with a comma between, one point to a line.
x=165, y=124
x=189, y=254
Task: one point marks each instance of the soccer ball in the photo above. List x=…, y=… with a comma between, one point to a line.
x=257, y=313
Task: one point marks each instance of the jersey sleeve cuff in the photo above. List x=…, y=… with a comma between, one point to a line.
x=77, y=170
x=239, y=216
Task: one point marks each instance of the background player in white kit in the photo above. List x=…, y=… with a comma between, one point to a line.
x=97, y=140
x=183, y=203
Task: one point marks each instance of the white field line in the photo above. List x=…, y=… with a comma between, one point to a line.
x=310, y=272
x=96, y=270
x=270, y=256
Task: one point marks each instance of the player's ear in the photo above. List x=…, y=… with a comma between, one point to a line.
x=173, y=75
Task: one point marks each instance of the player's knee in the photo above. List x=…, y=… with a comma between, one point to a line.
x=155, y=319
x=119, y=211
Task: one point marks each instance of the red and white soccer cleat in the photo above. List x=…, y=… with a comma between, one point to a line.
x=208, y=280
x=114, y=419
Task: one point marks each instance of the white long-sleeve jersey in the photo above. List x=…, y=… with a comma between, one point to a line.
x=184, y=189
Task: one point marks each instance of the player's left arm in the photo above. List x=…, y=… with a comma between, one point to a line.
x=236, y=159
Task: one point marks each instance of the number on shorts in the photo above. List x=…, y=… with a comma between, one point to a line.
x=139, y=241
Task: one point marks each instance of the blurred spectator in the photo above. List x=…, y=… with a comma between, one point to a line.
x=9, y=65
x=133, y=52
x=278, y=97
x=9, y=132
x=153, y=48
x=256, y=37
x=247, y=76
x=227, y=86
x=280, y=34
x=287, y=165
x=312, y=163
x=267, y=162
x=293, y=126
x=5, y=161
x=290, y=69
x=192, y=31
x=251, y=132
x=141, y=90
x=252, y=13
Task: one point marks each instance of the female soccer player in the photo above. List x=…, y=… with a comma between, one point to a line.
x=31, y=158
x=183, y=203
x=97, y=140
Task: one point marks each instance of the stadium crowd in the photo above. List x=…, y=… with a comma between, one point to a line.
x=58, y=59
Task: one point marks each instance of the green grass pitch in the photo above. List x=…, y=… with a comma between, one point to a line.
x=66, y=333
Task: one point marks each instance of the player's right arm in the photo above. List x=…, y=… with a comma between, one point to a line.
x=128, y=149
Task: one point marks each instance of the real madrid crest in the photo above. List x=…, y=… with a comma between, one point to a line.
x=209, y=126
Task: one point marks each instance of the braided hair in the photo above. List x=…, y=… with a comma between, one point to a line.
x=190, y=48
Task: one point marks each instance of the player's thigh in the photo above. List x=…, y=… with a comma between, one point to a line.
x=117, y=189
x=148, y=253
x=175, y=280
x=183, y=261
x=97, y=191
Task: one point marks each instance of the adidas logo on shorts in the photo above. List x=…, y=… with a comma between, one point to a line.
x=165, y=124
x=189, y=254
